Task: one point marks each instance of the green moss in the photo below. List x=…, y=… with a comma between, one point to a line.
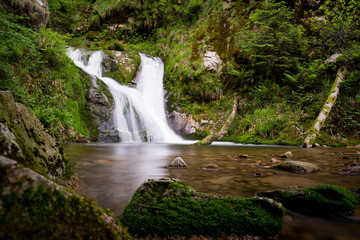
x=171, y=208
x=318, y=199
x=48, y=214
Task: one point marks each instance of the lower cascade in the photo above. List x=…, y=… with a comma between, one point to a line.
x=139, y=113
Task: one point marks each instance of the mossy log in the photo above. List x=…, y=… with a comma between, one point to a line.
x=224, y=129
x=325, y=111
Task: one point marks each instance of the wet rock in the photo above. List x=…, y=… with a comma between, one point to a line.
x=297, y=166
x=108, y=136
x=177, y=121
x=177, y=163
x=243, y=156
x=287, y=155
x=82, y=139
x=169, y=208
x=320, y=199
x=33, y=207
x=211, y=167
x=258, y=174
x=350, y=171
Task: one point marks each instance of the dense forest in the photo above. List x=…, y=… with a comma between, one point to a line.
x=279, y=57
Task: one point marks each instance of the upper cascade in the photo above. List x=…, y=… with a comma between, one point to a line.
x=139, y=113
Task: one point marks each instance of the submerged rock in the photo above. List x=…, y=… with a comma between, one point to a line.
x=297, y=166
x=177, y=163
x=321, y=199
x=350, y=171
x=33, y=207
x=170, y=208
x=211, y=167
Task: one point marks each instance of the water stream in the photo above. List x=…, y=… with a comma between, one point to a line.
x=112, y=172
x=139, y=112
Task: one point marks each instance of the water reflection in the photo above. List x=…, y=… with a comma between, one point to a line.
x=112, y=172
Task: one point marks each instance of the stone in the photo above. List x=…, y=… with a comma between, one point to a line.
x=243, y=155
x=211, y=167
x=287, y=155
x=258, y=174
x=212, y=61
x=82, y=139
x=274, y=160
x=177, y=163
x=320, y=199
x=297, y=166
x=350, y=171
x=170, y=209
x=33, y=207
x=24, y=138
x=176, y=121
x=37, y=11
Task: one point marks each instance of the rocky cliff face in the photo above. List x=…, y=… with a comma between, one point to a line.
x=23, y=138
x=36, y=10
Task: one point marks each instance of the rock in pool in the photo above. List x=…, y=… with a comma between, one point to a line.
x=297, y=166
x=177, y=163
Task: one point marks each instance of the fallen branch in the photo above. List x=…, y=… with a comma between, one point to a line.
x=325, y=111
x=224, y=129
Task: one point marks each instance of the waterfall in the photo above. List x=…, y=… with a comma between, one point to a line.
x=139, y=113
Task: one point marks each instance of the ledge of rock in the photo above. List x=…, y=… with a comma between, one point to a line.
x=24, y=138
x=170, y=208
x=320, y=199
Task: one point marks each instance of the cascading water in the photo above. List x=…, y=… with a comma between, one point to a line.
x=139, y=113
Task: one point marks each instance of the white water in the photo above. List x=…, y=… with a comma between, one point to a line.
x=139, y=112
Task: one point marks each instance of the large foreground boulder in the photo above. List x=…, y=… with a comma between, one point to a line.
x=170, y=208
x=320, y=199
x=33, y=207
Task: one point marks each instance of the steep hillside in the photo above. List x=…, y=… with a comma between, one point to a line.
x=273, y=54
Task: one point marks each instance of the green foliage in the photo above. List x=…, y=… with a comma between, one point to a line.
x=170, y=208
x=274, y=44
x=340, y=28
x=266, y=122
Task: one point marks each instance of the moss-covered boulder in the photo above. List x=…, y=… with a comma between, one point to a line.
x=24, y=138
x=33, y=207
x=297, y=166
x=171, y=208
x=321, y=199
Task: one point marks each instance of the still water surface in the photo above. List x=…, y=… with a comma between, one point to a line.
x=112, y=172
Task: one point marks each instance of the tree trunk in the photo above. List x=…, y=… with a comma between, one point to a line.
x=224, y=129
x=325, y=111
